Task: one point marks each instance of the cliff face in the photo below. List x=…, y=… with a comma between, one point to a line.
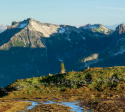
x=120, y=29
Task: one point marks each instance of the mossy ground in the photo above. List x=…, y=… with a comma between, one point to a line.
x=13, y=106
x=50, y=108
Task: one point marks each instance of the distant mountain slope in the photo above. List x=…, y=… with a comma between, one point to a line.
x=114, y=55
x=98, y=28
x=113, y=27
x=2, y=28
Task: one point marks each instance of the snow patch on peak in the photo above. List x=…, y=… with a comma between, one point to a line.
x=23, y=25
x=61, y=30
x=3, y=28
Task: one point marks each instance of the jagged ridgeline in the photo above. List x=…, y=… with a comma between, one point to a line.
x=31, y=48
x=29, y=33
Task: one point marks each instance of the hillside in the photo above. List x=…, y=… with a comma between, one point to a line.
x=94, y=78
x=92, y=86
x=31, y=48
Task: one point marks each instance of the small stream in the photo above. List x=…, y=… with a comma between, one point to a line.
x=74, y=105
x=34, y=104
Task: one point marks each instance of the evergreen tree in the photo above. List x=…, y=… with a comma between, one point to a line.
x=88, y=67
x=62, y=68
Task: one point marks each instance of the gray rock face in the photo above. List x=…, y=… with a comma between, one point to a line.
x=121, y=29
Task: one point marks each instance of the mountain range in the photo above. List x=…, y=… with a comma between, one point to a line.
x=113, y=27
x=30, y=48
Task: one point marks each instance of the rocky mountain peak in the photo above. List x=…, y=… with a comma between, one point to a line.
x=97, y=28
x=120, y=29
x=31, y=33
x=20, y=25
x=91, y=26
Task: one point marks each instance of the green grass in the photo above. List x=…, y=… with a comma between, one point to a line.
x=94, y=87
x=18, y=43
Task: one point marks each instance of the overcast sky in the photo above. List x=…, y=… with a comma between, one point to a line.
x=71, y=12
